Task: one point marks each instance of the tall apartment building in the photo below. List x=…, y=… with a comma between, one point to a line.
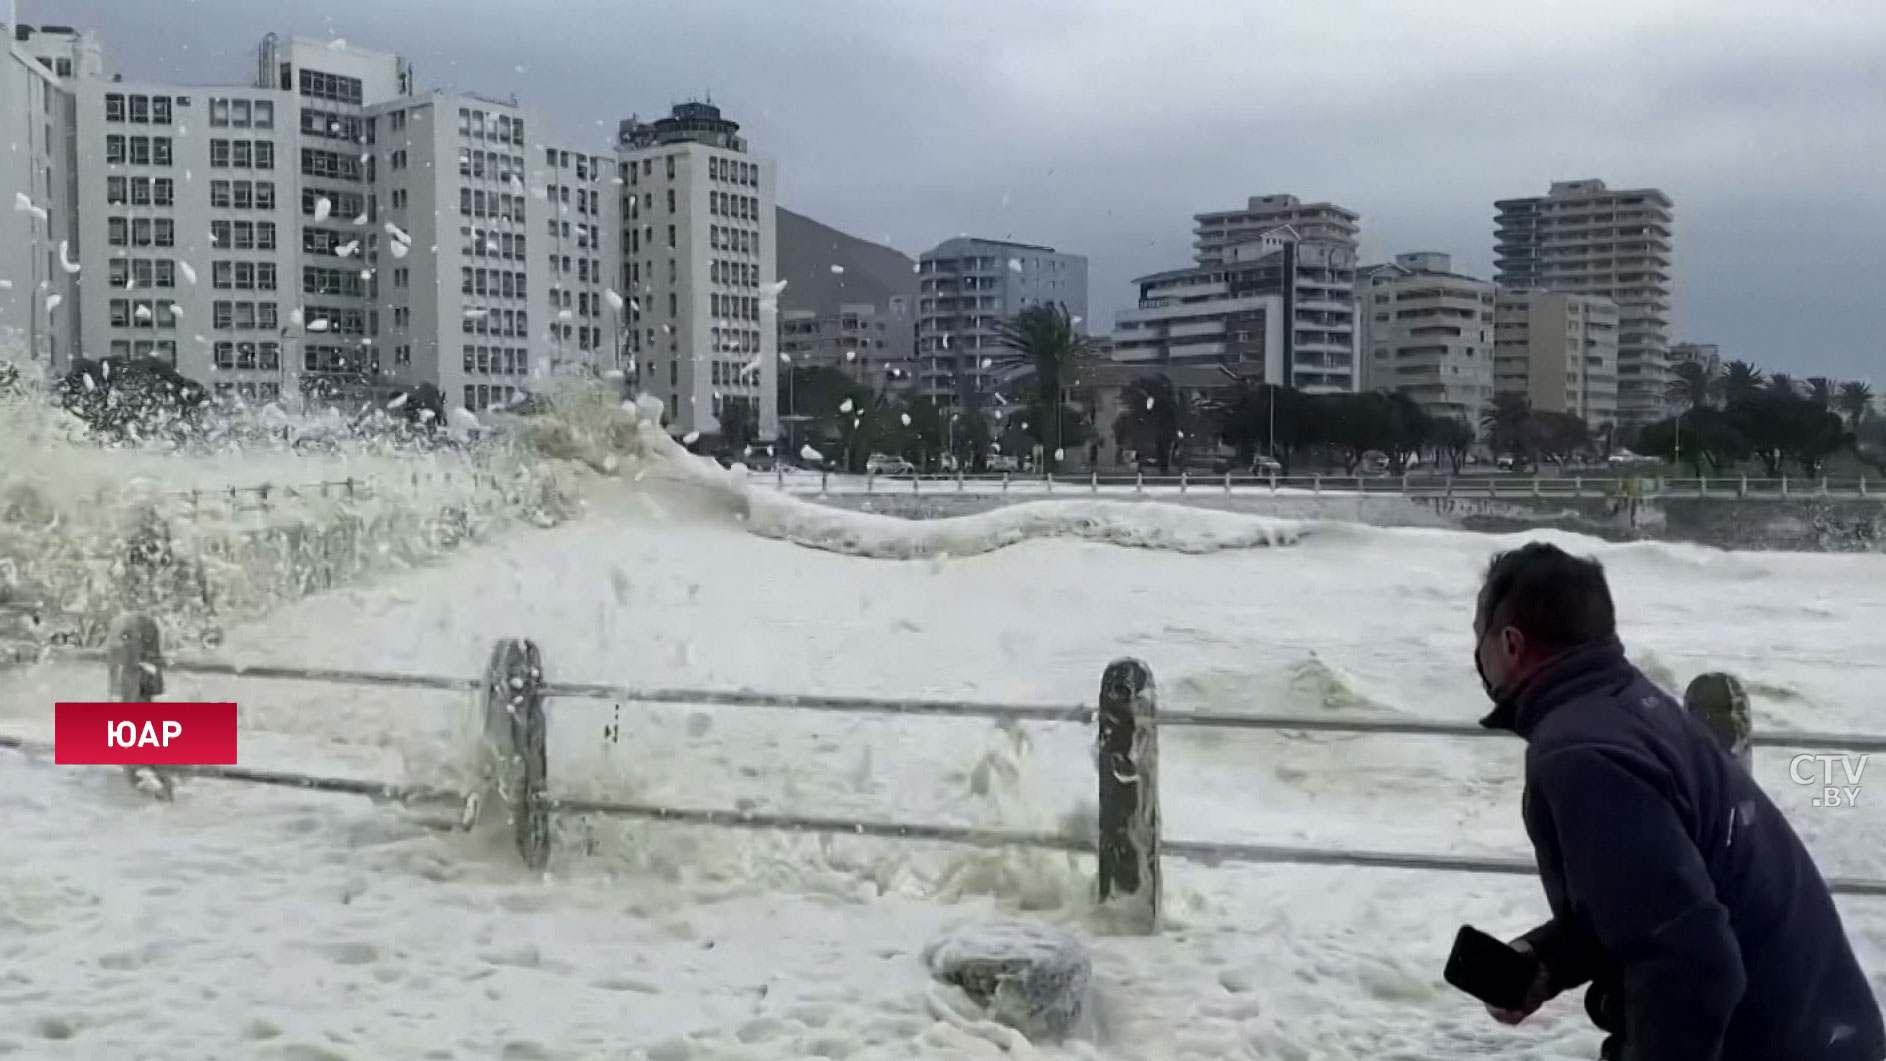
x=508, y=242
x=1427, y=332
x=1276, y=306
x=1316, y=244
x=967, y=287
x=1560, y=350
x=40, y=311
x=699, y=252
x=326, y=231
x=1585, y=238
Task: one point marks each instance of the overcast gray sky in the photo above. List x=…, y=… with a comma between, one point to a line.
x=1102, y=126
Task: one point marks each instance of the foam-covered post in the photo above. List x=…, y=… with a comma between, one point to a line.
x=515, y=728
x=1721, y=704
x=134, y=659
x=1129, y=794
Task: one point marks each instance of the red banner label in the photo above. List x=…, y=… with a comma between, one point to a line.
x=144, y=734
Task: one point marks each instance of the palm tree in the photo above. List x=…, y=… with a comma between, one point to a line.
x=1855, y=401
x=1694, y=385
x=1820, y=391
x=1159, y=419
x=1506, y=422
x=1739, y=380
x=1048, y=352
x=1782, y=383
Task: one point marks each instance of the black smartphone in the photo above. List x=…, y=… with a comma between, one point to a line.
x=1490, y=970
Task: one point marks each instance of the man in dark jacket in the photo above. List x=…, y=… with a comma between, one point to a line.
x=1677, y=890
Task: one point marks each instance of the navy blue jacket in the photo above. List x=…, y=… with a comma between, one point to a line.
x=1677, y=888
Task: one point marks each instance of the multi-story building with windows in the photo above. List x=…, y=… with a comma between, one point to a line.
x=329, y=231
x=40, y=308
x=967, y=288
x=1277, y=307
x=699, y=252
x=1427, y=332
x=1560, y=350
x=1214, y=232
x=1588, y=239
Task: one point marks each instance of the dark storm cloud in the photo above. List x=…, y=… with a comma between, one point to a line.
x=1101, y=126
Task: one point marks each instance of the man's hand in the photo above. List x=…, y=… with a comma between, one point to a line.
x=1538, y=993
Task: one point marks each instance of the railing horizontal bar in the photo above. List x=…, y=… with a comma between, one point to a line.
x=1212, y=853
x=794, y=823
x=319, y=674
x=788, y=701
x=1328, y=724
x=1803, y=739
x=378, y=791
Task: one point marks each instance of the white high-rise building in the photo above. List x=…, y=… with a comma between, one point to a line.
x=1427, y=332
x=325, y=231
x=40, y=311
x=506, y=242
x=1276, y=306
x=1560, y=350
x=699, y=253
x=1588, y=239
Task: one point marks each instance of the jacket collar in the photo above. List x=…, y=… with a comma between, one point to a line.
x=1568, y=676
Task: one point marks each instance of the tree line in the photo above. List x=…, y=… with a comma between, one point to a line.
x=1734, y=415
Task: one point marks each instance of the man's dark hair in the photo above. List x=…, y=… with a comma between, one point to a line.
x=1556, y=600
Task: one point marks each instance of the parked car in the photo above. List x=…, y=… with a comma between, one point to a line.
x=1002, y=462
x=879, y=464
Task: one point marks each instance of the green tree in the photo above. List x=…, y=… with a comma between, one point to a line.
x=1782, y=383
x=1559, y=437
x=1783, y=426
x=1820, y=391
x=739, y=426
x=1694, y=385
x=1855, y=401
x=1453, y=439
x=1150, y=419
x=1705, y=439
x=1048, y=352
x=1739, y=380
x=1507, y=425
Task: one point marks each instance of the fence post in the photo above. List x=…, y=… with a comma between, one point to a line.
x=870, y=481
x=1227, y=482
x=1535, y=486
x=1094, y=479
x=1702, y=486
x=1139, y=480
x=825, y=480
x=1005, y=482
x=1741, y=489
x=134, y=659
x=1447, y=486
x=1863, y=485
x=959, y=478
x=1129, y=794
x=1578, y=486
x=779, y=473
x=1316, y=484
x=514, y=727
x=1184, y=480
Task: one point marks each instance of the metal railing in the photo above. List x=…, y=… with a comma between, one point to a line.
x=1126, y=841
x=1425, y=487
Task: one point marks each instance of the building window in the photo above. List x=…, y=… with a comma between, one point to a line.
x=114, y=107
